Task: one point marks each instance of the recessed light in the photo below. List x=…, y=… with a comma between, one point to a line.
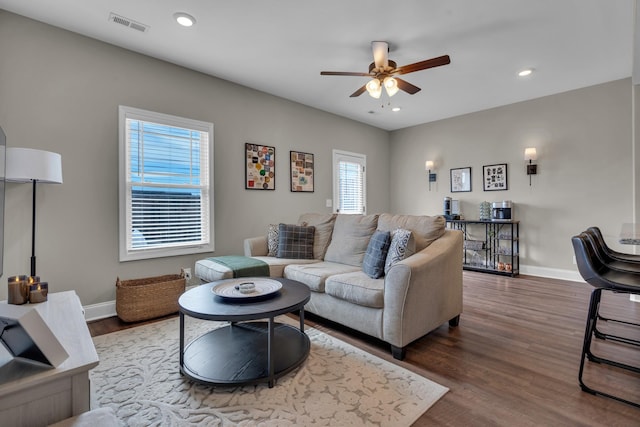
x=396, y=109
x=184, y=19
x=526, y=72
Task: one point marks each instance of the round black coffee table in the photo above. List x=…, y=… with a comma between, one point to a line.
x=243, y=352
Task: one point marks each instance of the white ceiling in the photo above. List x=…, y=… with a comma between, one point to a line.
x=280, y=46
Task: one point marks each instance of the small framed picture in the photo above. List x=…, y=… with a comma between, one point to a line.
x=494, y=177
x=461, y=180
x=301, y=172
x=260, y=167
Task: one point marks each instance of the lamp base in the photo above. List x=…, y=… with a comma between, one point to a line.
x=532, y=169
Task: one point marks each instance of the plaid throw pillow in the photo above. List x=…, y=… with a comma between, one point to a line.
x=295, y=241
x=376, y=255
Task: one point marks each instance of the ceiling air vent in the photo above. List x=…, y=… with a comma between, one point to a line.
x=128, y=22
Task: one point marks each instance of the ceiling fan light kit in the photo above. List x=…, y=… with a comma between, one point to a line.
x=383, y=72
x=391, y=86
x=374, y=89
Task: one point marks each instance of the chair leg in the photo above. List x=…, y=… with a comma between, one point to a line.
x=601, y=335
x=590, y=332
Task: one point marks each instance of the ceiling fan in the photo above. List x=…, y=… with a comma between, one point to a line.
x=383, y=72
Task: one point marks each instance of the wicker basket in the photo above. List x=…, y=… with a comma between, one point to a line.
x=148, y=298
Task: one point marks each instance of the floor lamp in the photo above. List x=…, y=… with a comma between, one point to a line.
x=29, y=165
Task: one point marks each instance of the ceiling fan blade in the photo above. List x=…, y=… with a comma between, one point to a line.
x=343, y=73
x=406, y=86
x=380, y=54
x=423, y=65
x=358, y=92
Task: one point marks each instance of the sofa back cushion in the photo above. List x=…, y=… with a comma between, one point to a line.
x=324, y=227
x=295, y=241
x=424, y=229
x=350, y=238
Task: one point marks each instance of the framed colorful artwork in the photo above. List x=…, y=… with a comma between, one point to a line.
x=494, y=177
x=260, y=167
x=301, y=172
x=460, y=180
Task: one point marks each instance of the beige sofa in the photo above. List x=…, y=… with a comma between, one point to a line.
x=415, y=296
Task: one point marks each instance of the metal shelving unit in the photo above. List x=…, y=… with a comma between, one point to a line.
x=490, y=246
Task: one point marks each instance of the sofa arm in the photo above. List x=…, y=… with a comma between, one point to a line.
x=424, y=290
x=256, y=246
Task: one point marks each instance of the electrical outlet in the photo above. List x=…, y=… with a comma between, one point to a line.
x=187, y=273
x=574, y=260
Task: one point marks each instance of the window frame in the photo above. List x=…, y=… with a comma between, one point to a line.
x=125, y=253
x=361, y=159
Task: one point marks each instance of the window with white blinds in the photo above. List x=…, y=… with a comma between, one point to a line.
x=165, y=185
x=349, y=182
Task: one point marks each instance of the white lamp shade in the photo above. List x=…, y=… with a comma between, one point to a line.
x=26, y=165
x=428, y=165
x=374, y=89
x=391, y=85
x=530, y=154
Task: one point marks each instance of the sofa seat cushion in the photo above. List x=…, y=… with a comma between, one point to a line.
x=277, y=265
x=314, y=275
x=425, y=229
x=357, y=288
x=351, y=234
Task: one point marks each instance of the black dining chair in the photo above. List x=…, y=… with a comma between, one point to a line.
x=603, y=278
x=603, y=252
x=620, y=256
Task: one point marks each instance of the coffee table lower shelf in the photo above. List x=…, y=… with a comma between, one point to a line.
x=238, y=354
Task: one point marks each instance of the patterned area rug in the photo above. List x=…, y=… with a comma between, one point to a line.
x=338, y=385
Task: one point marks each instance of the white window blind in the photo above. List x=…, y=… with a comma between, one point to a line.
x=165, y=208
x=349, y=182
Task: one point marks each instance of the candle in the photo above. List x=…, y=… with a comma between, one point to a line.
x=18, y=293
x=38, y=292
x=31, y=280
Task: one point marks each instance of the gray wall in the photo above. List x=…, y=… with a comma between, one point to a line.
x=585, y=168
x=60, y=92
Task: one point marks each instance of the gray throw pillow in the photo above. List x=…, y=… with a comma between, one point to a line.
x=272, y=239
x=295, y=241
x=376, y=254
x=402, y=246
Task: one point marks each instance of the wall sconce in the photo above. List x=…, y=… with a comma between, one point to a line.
x=428, y=165
x=531, y=155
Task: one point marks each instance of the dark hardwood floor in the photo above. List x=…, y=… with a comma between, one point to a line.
x=514, y=359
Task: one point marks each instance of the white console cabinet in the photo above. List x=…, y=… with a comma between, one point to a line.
x=53, y=394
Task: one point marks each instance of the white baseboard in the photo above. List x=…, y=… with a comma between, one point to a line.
x=105, y=309
x=552, y=273
x=99, y=311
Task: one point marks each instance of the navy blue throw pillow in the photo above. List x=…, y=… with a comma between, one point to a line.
x=376, y=254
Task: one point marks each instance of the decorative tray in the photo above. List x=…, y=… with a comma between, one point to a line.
x=262, y=288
